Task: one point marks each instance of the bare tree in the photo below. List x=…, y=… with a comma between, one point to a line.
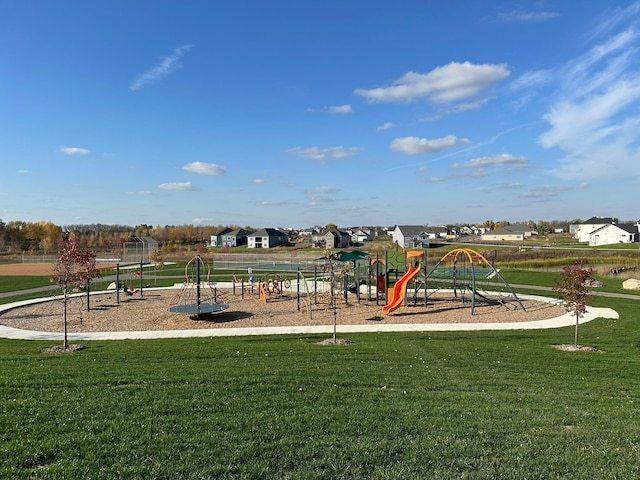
x=74, y=268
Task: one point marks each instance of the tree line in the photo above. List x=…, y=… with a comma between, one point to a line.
x=19, y=236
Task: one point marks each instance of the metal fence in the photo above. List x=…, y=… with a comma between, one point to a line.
x=249, y=263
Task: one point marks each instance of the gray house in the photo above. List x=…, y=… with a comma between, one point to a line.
x=217, y=240
x=235, y=238
x=267, y=238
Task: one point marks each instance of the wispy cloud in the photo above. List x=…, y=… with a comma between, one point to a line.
x=321, y=190
x=385, y=126
x=164, y=67
x=23, y=171
x=74, y=151
x=547, y=192
x=258, y=181
x=595, y=120
x=340, y=109
x=526, y=16
x=141, y=193
x=496, y=161
x=418, y=146
x=186, y=186
x=204, y=168
x=450, y=83
x=324, y=154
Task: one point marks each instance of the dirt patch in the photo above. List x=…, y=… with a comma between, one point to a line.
x=150, y=312
x=26, y=269
x=337, y=341
x=578, y=348
x=60, y=349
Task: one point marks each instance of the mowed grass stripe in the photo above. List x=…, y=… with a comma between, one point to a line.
x=409, y=405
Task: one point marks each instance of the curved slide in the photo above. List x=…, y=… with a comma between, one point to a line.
x=400, y=290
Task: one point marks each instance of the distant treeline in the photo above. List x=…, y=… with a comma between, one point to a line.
x=19, y=236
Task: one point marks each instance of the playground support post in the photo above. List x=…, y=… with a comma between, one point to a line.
x=198, y=281
x=298, y=287
x=141, y=278
x=118, y=283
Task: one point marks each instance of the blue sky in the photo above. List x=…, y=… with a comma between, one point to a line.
x=297, y=113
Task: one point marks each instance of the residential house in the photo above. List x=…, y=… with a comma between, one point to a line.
x=235, y=238
x=584, y=229
x=503, y=234
x=331, y=238
x=217, y=240
x=472, y=230
x=526, y=230
x=361, y=235
x=267, y=238
x=412, y=236
x=614, y=233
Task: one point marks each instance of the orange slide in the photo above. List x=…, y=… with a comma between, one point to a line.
x=400, y=290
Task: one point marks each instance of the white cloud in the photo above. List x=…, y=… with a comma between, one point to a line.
x=340, y=109
x=316, y=153
x=204, y=168
x=449, y=83
x=187, y=186
x=164, y=67
x=258, y=181
x=385, y=126
x=23, y=171
x=417, y=146
x=495, y=161
x=75, y=151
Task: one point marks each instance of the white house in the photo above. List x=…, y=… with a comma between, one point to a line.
x=584, y=229
x=614, y=233
x=267, y=238
x=361, y=235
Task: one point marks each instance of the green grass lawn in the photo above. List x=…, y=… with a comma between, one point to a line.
x=409, y=405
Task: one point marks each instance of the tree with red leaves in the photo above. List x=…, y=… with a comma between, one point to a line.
x=74, y=269
x=573, y=286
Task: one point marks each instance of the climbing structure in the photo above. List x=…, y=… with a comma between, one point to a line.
x=197, y=297
x=469, y=274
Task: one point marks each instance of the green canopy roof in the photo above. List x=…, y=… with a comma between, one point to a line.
x=352, y=256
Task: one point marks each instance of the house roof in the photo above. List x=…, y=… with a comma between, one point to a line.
x=240, y=232
x=504, y=231
x=519, y=228
x=413, y=230
x=599, y=221
x=627, y=227
x=268, y=232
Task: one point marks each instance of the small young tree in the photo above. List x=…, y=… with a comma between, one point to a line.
x=74, y=268
x=573, y=287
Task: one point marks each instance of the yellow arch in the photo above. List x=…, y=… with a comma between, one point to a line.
x=470, y=254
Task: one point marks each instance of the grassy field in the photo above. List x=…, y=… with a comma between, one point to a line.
x=412, y=405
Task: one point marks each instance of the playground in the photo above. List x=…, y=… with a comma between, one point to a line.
x=150, y=312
